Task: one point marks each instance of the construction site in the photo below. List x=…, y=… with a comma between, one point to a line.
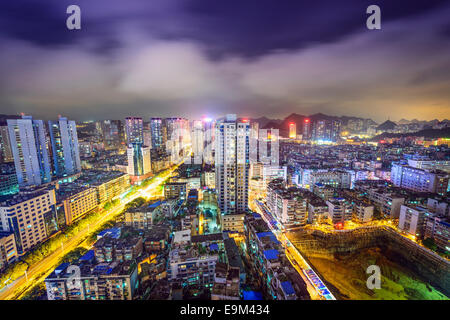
x=408, y=270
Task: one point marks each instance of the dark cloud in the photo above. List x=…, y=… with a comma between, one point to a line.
x=192, y=57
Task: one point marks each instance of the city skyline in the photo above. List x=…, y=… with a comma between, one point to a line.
x=187, y=59
x=225, y=152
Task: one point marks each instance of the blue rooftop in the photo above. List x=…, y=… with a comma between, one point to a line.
x=102, y=269
x=113, y=232
x=252, y=295
x=214, y=247
x=271, y=254
x=62, y=266
x=287, y=287
x=267, y=234
x=155, y=204
x=319, y=184
x=88, y=256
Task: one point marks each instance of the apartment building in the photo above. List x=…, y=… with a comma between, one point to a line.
x=76, y=201
x=24, y=214
x=412, y=220
x=339, y=211
x=420, y=180
x=233, y=222
x=98, y=281
x=438, y=228
x=8, y=250
x=174, y=190
x=288, y=205
x=232, y=163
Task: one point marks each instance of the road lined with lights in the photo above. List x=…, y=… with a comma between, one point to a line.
x=40, y=270
x=316, y=288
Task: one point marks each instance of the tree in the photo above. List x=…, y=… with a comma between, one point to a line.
x=430, y=244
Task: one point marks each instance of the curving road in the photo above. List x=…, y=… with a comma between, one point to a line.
x=40, y=270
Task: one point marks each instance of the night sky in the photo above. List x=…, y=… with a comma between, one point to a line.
x=210, y=57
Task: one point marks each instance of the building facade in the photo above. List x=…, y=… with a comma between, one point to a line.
x=30, y=151
x=232, y=164
x=65, y=150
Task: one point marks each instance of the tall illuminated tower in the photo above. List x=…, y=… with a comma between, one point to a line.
x=30, y=151
x=134, y=128
x=232, y=163
x=156, y=128
x=65, y=151
x=292, y=130
x=139, y=161
x=254, y=136
x=197, y=141
x=208, y=136
x=306, y=135
x=268, y=146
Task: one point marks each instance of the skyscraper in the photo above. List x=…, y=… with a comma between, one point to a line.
x=65, y=152
x=268, y=146
x=335, y=130
x=147, y=137
x=156, y=128
x=139, y=161
x=134, y=128
x=232, y=163
x=292, y=130
x=5, y=146
x=173, y=138
x=208, y=136
x=112, y=131
x=306, y=135
x=197, y=138
x=30, y=150
x=254, y=135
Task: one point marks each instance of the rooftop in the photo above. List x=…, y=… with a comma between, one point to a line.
x=12, y=200
x=98, y=177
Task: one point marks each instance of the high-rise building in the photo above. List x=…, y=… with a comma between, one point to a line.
x=24, y=214
x=208, y=136
x=292, y=130
x=65, y=151
x=8, y=179
x=326, y=130
x=134, y=128
x=139, y=160
x=30, y=150
x=232, y=164
x=335, y=130
x=173, y=138
x=419, y=180
x=147, y=137
x=112, y=131
x=254, y=136
x=156, y=128
x=5, y=146
x=197, y=140
x=268, y=145
x=306, y=135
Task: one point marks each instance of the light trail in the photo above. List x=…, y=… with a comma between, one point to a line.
x=40, y=270
x=298, y=262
